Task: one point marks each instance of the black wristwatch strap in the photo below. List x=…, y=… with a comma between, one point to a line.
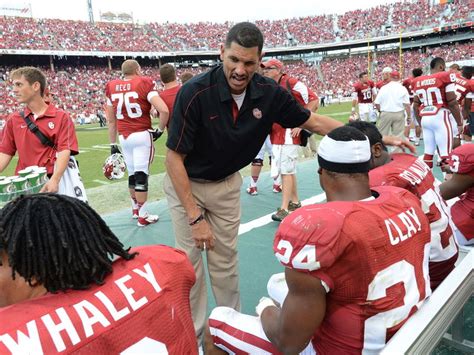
x=197, y=220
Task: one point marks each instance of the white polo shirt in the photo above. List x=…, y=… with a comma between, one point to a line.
x=392, y=97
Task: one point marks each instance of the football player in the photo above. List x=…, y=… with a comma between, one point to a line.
x=461, y=163
x=411, y=173
x=61, y=292
x=356, y=266
x=129, y=101
x=363, y=94
x=413, y=122
x=435, y=106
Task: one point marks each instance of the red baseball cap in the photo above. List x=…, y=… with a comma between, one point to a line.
x=272, y=63
x=395, y=75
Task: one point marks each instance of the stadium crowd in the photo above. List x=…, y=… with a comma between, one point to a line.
x=49, y=34
x=79, y=89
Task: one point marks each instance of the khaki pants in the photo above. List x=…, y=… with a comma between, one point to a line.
x=220, y=204
x=392, y=123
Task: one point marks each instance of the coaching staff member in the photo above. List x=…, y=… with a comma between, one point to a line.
x=220, y=121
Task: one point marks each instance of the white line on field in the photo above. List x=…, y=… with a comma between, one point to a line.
x=260, y=222
x=102, y=182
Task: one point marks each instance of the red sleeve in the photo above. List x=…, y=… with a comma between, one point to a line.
x=147, y=85
x=312, y=95
x=67, y=136
x=8, y=145
x=462, y=159
x=107, y=90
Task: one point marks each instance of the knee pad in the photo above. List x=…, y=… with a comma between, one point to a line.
x=141, y=181
x=131, y=182
x=257, y=162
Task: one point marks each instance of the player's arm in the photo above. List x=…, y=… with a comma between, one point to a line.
x=59, y=168
x=454, y=108
x=467, y=106
x=112, y=128
x=163, y=112
x=200, y=230
x=4, y=161
x=291, y=328
x=456, y=186
x=416, y=108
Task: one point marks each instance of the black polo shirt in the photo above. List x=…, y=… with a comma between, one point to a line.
x=203, y=127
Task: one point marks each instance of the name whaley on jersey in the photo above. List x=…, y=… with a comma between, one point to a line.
x=134, y=299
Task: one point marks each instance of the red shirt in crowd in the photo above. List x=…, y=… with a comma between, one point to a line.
x=55, y=124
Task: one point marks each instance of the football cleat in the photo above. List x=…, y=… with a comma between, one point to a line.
x=252, y=190
x=148, y=219
x=276, y=188
x=114, y=167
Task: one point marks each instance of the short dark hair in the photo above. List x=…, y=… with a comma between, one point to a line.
x=245, y=34
x=467, y=71
x=362, y=74
x=368, y=129
x=32, y=75
x=417, y=72
x=167, y=73
x=186, y=76
x=57, y=241
x=437, y=61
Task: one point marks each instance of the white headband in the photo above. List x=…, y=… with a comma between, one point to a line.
x=344, y=152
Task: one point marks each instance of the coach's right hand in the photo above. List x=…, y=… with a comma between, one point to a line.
x=114, y=149
x=203, y=237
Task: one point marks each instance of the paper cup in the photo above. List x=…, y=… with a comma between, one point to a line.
x=25, y=172
x=7, y=190
x=21, y=184
x=34, y=182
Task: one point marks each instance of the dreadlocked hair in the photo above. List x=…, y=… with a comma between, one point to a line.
x=58, y=241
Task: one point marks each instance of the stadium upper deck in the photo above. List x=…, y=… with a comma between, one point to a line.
x=52, y=34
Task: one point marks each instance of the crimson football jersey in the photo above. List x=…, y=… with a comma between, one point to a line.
x=431, y=90
x=411, y=173
x=372, y=257
x=143, y=307
x=364, y=92
x=131, y=103
x=303, y=95
x=463, y=87
x=381, y=83
x=462, y=162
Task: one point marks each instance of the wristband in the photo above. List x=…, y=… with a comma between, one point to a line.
x=197, y=220
x=264, y=303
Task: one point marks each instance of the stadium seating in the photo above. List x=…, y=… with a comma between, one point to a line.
x=27, y=33
x=80, y=89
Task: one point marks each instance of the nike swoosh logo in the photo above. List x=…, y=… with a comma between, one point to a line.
x=213, y=117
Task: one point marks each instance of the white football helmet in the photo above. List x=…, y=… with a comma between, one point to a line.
x=114, y=167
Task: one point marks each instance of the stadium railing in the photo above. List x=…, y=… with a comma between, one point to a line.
x=424, y=330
